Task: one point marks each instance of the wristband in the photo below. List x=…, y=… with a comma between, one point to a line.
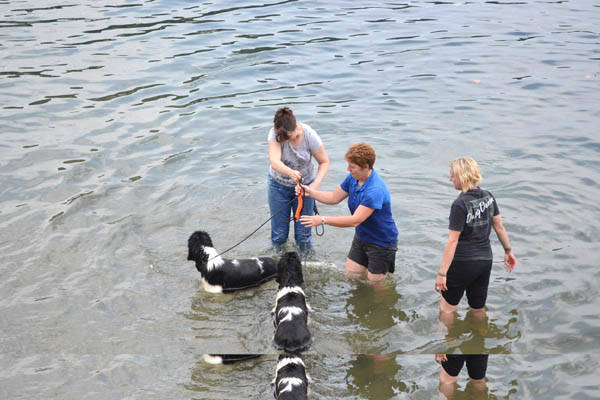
x=507, y=250
x=322, y=220
x=442, y=275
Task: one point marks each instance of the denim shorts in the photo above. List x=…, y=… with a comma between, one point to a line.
x=377, y=259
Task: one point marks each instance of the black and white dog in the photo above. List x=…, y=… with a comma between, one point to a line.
x=291, y=380
x=290, y=314
x=220, y=275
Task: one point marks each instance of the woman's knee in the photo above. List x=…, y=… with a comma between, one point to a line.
x=446, y=307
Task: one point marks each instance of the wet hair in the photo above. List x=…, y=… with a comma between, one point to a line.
x=283, y=122
x=466, y=173
x=361, y=154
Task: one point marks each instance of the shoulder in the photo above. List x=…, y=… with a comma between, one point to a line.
x=271, y=135
x=378, y=183
x=459, y=202
x=308, y=128
x=347, y=182
x=310, y=132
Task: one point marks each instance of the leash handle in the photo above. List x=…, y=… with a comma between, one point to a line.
x=316, y=211
x=300, y=201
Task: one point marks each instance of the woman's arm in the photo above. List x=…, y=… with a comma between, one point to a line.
x=321, y=156
x=278, y=165
x=324, y=197
x=360, y=214
x=449, y=250
x=509, y=258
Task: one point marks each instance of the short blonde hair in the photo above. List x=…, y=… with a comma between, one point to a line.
x=466, y=173
x=361, y=154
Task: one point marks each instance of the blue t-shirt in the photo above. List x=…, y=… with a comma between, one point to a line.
x=380, y=227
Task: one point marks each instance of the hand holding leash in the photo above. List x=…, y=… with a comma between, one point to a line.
x=295, y=175
x=300, y=194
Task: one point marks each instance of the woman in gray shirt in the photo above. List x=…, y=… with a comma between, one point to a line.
x=292, y=145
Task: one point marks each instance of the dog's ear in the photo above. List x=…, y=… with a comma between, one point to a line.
x=196, y=242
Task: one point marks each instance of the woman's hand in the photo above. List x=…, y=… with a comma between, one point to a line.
x=439, y=358
x=510, y=260
x=440, y=283
x=294, y=175
x=299, y=189
x=310, y=220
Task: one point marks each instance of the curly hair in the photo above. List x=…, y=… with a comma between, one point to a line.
x=361, y=154
x=466, y=172
x=283, y=122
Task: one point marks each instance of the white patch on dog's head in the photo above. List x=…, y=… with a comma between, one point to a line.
x=214, y=259
x=235, y=262
x=290, y=312
x=260, y=265
x=289, y=384
x=287, y=290
x=211, y=288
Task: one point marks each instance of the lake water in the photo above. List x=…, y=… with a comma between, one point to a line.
x=127, y=125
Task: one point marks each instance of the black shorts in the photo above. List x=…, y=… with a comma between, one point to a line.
x=476, y=364
x=377, y=259
x=472, y=276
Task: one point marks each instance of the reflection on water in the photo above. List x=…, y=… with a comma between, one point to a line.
x=376, y=376
x=451, y=366
x=127, y=125
x=470, y=334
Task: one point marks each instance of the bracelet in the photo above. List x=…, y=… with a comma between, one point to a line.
x=507, y=250
x=322, y=220
x=442, y=275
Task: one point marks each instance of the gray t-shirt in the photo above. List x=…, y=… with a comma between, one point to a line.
x=297, y=157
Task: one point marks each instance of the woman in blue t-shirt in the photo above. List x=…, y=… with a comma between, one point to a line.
x=467, y=260
x=374, y=248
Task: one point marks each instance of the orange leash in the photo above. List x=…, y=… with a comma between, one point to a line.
x=300, y=202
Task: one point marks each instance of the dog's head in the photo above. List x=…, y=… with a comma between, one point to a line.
x=289, y=270
x=196, y=243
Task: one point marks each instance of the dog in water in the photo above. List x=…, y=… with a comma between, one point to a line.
x=290, y=314
x=291, y=380
x=220, y=275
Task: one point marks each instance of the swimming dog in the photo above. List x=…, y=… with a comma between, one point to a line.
x=290, y=314
x=220, y=275
x=291, y=380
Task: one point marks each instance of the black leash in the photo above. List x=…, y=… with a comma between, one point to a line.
x=253, y=232
x=263, y=224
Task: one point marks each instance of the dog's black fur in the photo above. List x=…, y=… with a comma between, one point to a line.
x=227, y=275
x=290, y=314
x=291, y=380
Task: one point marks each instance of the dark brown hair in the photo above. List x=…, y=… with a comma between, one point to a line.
x=361, y=154
x=283, y=122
